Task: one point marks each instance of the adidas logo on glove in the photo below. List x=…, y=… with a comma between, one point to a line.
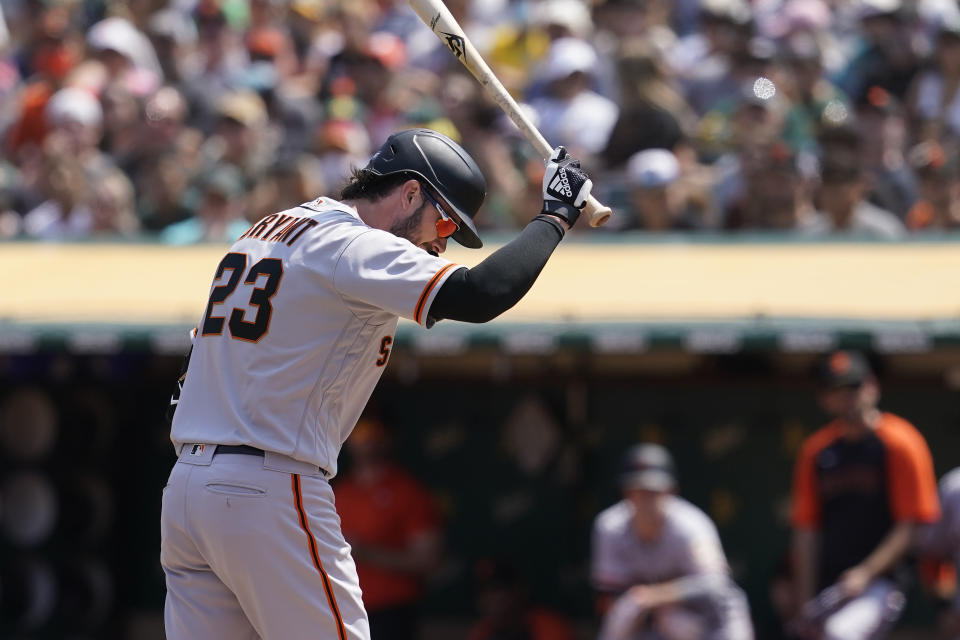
x=561, y=184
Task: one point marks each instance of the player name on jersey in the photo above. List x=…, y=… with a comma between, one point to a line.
x=278, y=227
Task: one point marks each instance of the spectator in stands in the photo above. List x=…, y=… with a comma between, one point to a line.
x=219, y=216
x=112, y=206
x=777, y=191
x=75, y=117
x=941, y=542
x=162, y=193
x=164, y=130
x=506, y=610
x=646, y=95
x=887, y=56
x=241, y=136
x=861, y=486
x=64, y=195
x=391, y=522
x=122, y=125
x=126, y=54
x=332, y=77
x=935, y=97
x=657, y=564
x=286, y=184
x=570, y=110
x=842, y=201
x=705, y=61
x=734, y=134
x=47, y=56
x=620, y=20
x=219, y=58
x=883, y=136
x=660, y=199
x=938, y=176
x=172, y=34
x=815, y=102
x=340, y=143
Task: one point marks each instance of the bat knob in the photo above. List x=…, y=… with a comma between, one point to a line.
x=599, y=214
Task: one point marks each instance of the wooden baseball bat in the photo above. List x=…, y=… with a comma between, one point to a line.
x=436, y=15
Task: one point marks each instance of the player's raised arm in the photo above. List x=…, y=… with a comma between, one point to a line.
x=496, y=284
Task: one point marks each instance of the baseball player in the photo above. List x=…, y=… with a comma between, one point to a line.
x=657, y=563
x=297, y=330
x=941, y=540
x=861, y=485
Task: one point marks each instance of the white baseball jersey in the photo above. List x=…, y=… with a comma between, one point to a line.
x=688, y=545
x=298, y=329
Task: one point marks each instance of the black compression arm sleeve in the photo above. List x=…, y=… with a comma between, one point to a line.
x=482, y=293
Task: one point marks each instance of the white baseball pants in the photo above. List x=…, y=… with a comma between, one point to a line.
x=251, y=548
x=868, y=616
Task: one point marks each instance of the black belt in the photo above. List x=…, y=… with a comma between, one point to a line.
x=245, y=449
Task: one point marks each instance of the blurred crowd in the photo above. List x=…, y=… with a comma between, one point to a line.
x=187, y=119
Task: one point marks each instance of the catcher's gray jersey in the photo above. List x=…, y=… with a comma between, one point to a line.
x=689, y=545
x=687, y=554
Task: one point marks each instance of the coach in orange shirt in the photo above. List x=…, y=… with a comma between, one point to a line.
x=391, y=522
x=860, y=486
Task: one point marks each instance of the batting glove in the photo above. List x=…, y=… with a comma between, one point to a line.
x=565, y=187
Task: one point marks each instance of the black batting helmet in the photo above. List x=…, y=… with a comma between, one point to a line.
x=442, y=164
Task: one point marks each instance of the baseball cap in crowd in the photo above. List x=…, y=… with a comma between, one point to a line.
x=245, y=107
x=172, y=24
x=566, y=57
x=931, y=159
x=873, y=8
x=801, y=47
x=648, y=466
x=948, y=23
x=878, y=100
x=572, y=15
x=736, y=12
x=797, y=16
x=224, y=180
x=652, y=168
x=266, y=42
x=387, y=49
x=74, y=105
x=120, y=35
x=845, y=369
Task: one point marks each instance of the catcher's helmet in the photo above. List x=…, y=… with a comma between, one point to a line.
x=445, y=166
x=648, y=466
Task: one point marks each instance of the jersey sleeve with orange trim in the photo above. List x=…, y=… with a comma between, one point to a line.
x=911, y=482
x=805, y=498
x=380, y=269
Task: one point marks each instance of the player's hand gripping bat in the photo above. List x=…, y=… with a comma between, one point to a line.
x=436, y=15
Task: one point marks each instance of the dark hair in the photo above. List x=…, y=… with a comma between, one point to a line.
x=366, y=185
x=841, y=169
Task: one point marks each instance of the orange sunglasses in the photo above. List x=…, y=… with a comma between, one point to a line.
x=446, y=226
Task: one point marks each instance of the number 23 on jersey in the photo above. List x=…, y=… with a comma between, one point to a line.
x=253, y=331
x=241, y=329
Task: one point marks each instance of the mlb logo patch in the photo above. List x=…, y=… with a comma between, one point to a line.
x=197, y=449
